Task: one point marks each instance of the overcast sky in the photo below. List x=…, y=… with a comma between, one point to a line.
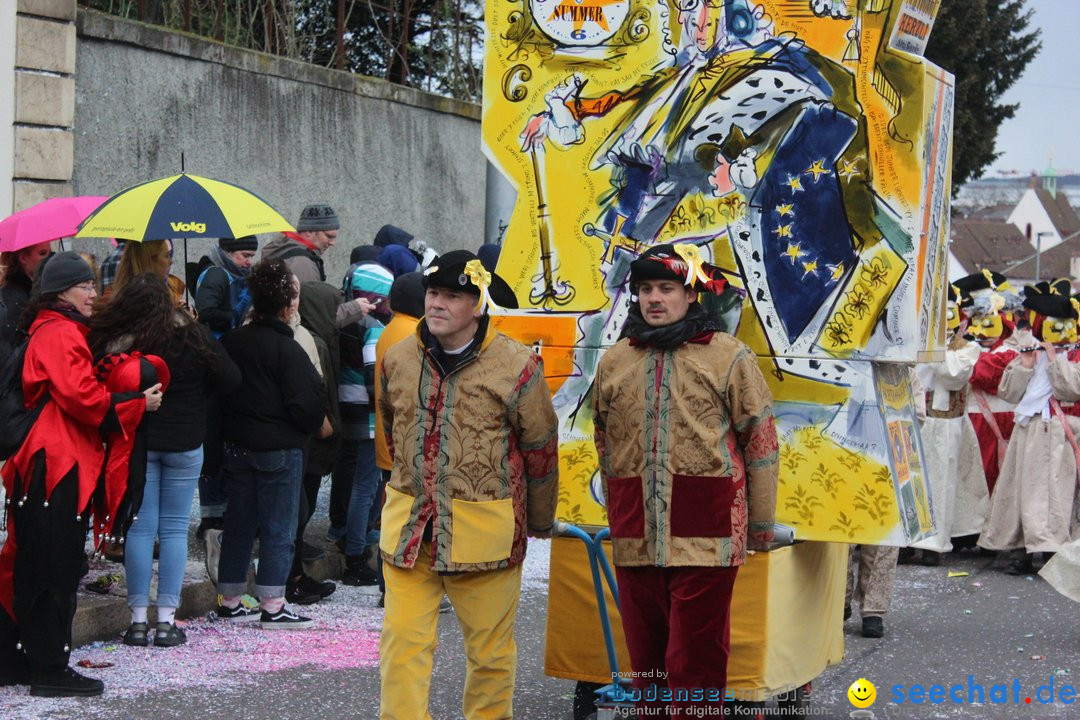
x=1048, y=119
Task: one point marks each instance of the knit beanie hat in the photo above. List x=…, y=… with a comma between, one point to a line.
x=318, y=217
x=364, y=253
x=62, y=271
x=249, y=242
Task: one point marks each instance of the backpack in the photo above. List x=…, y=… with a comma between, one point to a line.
x=15, y=418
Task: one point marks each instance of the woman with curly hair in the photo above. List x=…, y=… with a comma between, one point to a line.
x=141, y=318
x=266, y=424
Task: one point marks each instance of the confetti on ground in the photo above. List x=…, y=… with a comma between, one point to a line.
x=967, y=612
x=1038, y=657
x=956, y=574
x=225, y=655
x=976, y=584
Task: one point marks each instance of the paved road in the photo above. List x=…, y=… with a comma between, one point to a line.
x=997, y=628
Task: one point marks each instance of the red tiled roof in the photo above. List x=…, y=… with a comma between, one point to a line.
x=1061, y=213
x=979, y=245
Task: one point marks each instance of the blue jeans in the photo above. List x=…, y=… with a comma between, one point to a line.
x=365, y=484
x=264, y=495
x=212, y=495
x=165, y=512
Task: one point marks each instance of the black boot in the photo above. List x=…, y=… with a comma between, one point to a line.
x=873, y=626
x=64, y=683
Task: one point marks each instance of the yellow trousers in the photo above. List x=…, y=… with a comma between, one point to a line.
x=485, y=604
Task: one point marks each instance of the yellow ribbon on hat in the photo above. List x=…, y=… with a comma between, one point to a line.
x=481, y=278
x=696, y=266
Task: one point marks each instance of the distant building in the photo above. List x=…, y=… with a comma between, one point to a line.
x=1043, y=214
x=985, y=245
x=1007, y=237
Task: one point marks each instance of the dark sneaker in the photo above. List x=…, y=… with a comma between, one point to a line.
x=445, y=605
x=324, y=588
x=64, y=683
x=284, y=619
x=358, y=573
x=168, y=635
x=299, y=595
x=930, y=558
x=873, y=627
x=847, y=612
x=237, y=614
x=136, y=635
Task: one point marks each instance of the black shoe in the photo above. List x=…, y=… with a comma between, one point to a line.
x=847, y=612
x=930, y=558
x=136, y=635
x=358, y=573
x=1021, y=566
x=237, y=614
x=299, y=595
x=324, y=588
x=284, y=619
x=16, y=675
x=873, y=626
x=209, y=523
x=64, y=683
x=168, y=635
x=310, y=553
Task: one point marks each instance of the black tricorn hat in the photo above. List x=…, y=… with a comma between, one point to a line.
x=674, y=262
x=968, y=285
x=449, y=271
x=1052, y=299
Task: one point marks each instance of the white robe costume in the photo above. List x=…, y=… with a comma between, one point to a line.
x=1032, y=506
x=958, y=493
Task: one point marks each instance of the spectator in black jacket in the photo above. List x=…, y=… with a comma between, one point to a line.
x=142, y=317
x=266, y=423
x=222, y=299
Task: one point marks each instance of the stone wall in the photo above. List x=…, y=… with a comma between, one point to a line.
x=291, y=132
x=39, y=164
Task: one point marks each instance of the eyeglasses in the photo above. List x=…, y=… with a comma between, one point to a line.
x=86, y=287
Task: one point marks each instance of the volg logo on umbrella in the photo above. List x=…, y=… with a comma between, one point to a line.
x=188, y=227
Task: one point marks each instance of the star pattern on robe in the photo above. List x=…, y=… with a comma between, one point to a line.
x=786, y=210
x=849, y=170
x=817, y=169
x=810, y=268
x=794, y=183
x=783, y=231
x=794, y=252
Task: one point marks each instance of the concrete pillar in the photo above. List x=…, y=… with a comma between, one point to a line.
x=7, y=105
x=43, y=111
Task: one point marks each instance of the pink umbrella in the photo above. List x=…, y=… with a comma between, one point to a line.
x=48, y=220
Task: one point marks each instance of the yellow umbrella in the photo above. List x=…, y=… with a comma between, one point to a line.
x=183, y=206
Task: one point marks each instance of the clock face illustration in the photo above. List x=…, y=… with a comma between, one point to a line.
x=579, y=23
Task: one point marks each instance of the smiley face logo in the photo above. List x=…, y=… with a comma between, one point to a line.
x=862, y=693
